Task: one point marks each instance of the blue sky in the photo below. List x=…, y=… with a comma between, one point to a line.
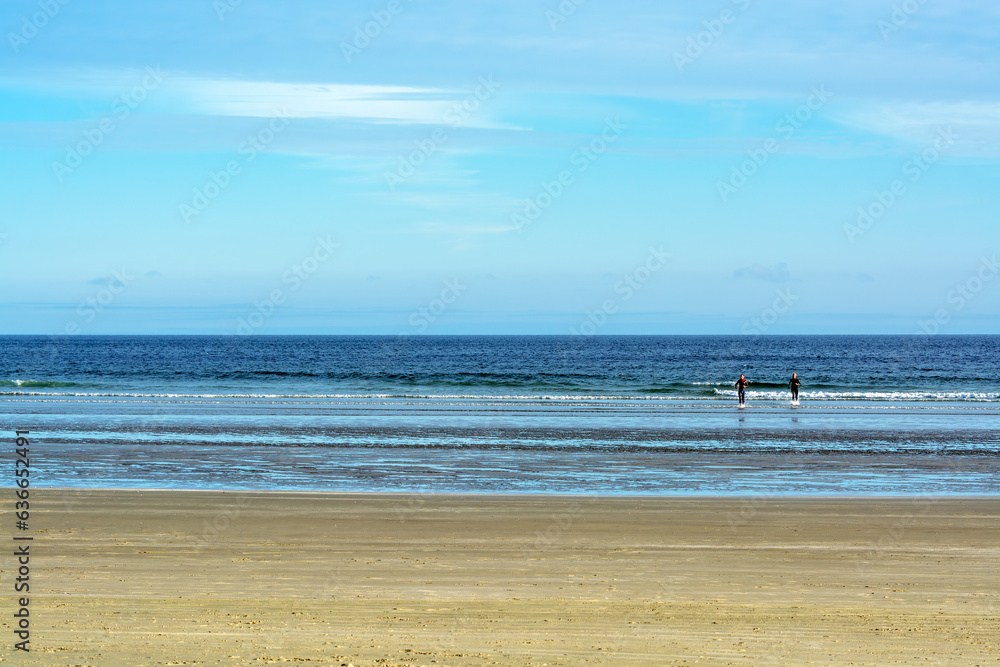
x=499, y=167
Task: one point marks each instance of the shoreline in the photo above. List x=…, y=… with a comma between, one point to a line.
x=486, y=495
x=146, y=577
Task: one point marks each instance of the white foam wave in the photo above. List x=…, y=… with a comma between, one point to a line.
x=892, y=396
x=514, y=397
x=719, y=394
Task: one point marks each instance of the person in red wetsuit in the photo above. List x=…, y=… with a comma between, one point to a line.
x=741, y=386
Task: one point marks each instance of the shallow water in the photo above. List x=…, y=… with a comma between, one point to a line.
x=108, y=426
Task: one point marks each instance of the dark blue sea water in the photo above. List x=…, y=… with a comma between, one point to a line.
x=607, y=415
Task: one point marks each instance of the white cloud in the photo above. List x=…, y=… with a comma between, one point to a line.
x=389, y=104
x=193, y=95
x=976, y=124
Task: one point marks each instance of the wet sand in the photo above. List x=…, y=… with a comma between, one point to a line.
x=219, y=578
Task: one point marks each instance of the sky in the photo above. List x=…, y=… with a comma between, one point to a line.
x=255, y=167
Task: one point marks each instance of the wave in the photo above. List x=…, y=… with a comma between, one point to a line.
x=671, y=392
x=715, y=394
x=505, y=397
x=892, y=395
x=38, y=384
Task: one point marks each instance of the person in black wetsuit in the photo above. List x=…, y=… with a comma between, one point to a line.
x=793, y=386
x=741, y=386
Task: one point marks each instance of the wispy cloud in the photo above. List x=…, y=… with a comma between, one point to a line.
x=977, y=124
x=388, y=104
x=187, y=95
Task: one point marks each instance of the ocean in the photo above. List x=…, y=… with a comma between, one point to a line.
x=629, y=415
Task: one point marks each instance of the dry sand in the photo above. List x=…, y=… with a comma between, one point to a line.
x=203, y=578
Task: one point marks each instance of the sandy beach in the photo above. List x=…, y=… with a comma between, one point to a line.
x=216, y=578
